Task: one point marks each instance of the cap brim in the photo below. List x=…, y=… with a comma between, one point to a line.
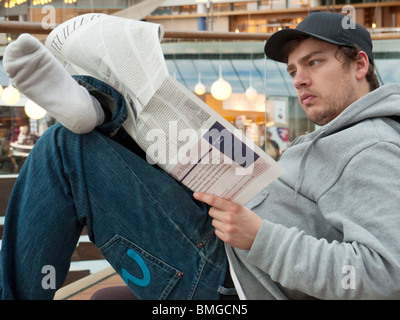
x=274, y=46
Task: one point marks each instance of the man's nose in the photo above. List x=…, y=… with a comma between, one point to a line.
x=301, y=79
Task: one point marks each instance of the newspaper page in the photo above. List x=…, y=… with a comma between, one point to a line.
x=176, y=129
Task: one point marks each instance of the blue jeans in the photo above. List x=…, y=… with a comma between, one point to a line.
x=147, y=225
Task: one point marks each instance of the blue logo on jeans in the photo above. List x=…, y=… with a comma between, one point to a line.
x=126, y=276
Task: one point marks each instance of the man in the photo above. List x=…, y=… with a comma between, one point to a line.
x=327, y=229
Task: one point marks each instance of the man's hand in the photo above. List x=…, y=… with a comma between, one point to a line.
x=233, y=223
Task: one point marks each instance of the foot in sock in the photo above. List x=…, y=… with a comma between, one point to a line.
x=42, y=78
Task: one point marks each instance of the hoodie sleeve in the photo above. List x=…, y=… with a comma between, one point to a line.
x=364, y=204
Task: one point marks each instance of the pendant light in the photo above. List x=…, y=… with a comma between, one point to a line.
x=221, y=89
x=251, y=93
x=200, y=88
x=34, y=111
x=10, y=95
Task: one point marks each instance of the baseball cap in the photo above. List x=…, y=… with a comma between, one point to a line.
x=335, y=28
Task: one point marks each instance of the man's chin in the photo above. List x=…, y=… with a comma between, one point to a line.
x=315, y=117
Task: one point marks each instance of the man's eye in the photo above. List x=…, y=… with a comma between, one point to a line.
x=292, y=74
x=314, y=62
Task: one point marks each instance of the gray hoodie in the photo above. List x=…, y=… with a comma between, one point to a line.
x=331, y=227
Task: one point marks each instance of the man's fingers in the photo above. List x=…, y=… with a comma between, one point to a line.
x=220, y=230
x=216, y=213
x=233, y=223
x=206, y=198
x=218, y=225
x=215, y=201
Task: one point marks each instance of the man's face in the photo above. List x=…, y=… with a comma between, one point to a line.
x=323, y=85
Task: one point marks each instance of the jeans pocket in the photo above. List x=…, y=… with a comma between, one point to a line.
x=148, y=276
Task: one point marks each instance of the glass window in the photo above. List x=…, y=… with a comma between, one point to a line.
x=278, y=110
x=18, y=132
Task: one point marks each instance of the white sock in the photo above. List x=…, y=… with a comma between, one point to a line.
x=42, y=78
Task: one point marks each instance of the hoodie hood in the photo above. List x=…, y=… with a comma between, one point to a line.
x=382, y=102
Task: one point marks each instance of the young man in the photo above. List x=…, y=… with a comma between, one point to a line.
x=327, y=229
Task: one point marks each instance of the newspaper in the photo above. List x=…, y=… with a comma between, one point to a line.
x=176, y=129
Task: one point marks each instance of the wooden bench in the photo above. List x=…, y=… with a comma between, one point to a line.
x=6, y=185
x=84, y=288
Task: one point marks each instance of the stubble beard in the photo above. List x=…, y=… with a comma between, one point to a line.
x=334, y=104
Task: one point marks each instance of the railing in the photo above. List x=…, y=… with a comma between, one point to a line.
x=18, y=27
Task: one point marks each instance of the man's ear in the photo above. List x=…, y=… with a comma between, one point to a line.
x=362, y=65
